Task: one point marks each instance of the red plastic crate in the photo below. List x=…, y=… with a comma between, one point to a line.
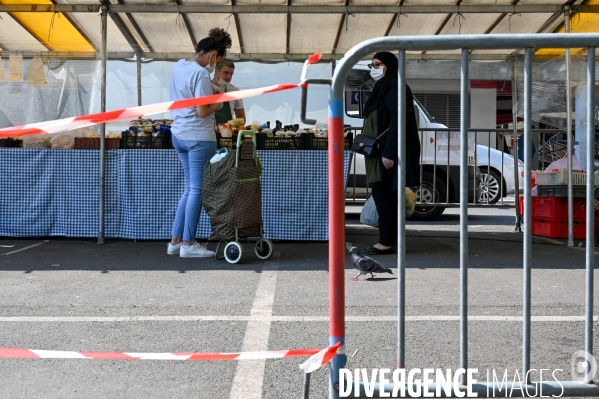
x=555, y=207
x=558, y=228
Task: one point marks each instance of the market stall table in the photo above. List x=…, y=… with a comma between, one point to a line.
x=54, y=192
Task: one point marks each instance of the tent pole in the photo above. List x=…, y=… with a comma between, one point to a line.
x=569, y=133
x=103, y=125
x=138, y=59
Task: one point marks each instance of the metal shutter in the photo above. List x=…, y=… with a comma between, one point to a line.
x=453, y=111
x=444, y=107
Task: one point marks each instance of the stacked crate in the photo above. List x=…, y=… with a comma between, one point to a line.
x=550, y=207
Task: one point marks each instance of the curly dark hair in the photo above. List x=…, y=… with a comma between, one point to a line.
x=218, y=39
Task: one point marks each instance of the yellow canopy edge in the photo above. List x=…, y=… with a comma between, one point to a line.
x=53, y=30
x=579, y=23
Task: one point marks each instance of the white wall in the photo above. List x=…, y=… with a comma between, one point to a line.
x=483, y=114
x=283, y=106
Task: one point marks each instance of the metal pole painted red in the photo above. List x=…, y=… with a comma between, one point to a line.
x=336, y=247
x=337, y=229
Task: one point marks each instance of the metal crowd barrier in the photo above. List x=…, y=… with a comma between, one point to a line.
x=551, y=147
x=337, y=253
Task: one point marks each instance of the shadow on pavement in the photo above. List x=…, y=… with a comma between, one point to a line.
x=425, y=249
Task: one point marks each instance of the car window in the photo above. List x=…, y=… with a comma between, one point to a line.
x=423, y=110
x=358, y=86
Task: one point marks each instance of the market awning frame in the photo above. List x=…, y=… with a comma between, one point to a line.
x=143, y=26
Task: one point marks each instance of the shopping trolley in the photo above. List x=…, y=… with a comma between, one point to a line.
x=232, y=198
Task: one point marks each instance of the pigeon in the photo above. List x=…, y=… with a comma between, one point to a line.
x=366, y=265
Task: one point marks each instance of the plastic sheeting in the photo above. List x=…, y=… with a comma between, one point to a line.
x=70, y=91
x=283, y=106
x=549, y=89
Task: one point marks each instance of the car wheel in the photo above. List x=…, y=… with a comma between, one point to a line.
x=490, y=186
x=424, y=194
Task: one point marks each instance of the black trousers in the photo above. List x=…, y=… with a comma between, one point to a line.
x=386, y=206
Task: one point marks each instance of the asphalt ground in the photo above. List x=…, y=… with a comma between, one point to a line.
x=75, y=295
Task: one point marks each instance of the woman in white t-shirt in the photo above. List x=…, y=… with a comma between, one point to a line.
x=194, y=138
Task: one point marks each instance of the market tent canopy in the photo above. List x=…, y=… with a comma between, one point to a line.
x=274, y=29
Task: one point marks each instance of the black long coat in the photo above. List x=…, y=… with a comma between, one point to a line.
x=387, y=116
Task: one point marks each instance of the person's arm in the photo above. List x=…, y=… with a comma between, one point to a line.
x=238, y=107
x=240, y=113
x=205, y=88
x=206, y=110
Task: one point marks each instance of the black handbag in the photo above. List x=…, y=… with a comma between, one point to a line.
x=367, y=146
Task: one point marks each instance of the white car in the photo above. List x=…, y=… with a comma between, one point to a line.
x=440, y=180
x=490, y=180
x=490, y=166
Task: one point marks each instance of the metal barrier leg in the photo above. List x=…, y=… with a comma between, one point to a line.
x=569, y=138
x=489, y=167
x=527, y=212
x=590, y=244
x=464, y=214
x=515, y=139
x=306, y=394
x=448, y=168
x=501, y=186
x=401, y=212
x=337, y=243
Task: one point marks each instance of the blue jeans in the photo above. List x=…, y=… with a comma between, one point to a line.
x=194, y=155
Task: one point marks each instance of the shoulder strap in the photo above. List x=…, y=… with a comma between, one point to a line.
x=381, y=135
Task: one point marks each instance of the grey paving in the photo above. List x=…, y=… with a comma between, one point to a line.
x=76, y=278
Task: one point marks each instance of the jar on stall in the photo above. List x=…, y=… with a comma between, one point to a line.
x=148, y=127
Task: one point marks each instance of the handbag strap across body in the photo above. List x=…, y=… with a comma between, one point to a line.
x=381, y=135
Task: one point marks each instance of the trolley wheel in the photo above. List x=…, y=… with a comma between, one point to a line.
x=266, y=251
x=233, y=252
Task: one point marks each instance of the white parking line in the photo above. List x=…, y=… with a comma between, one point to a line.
x=249, y=375
x=23, y=249
x=257, y=317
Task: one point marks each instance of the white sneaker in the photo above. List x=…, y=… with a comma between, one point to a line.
x=174, y=249
x=195, y=251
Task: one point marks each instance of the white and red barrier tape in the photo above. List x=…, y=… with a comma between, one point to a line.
x=77, y=122
x=319, y=357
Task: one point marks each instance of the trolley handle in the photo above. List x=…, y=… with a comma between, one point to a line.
x=240, y=136
x=304, y=98
x=243, y=133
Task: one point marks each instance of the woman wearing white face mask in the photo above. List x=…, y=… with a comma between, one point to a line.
x=381, y=115
x=194, y=138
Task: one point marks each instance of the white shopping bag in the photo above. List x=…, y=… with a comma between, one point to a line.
x=369, y=214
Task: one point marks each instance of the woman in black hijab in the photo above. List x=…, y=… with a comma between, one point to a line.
x=381, y=113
